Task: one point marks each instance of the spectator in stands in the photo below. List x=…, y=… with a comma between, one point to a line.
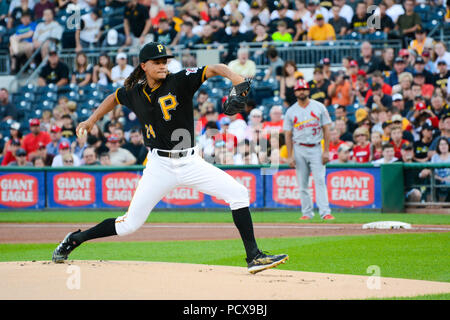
x=362, y=118
x=206, y=141
x=321, y=31
x=56, y=139
x=105, y=159
x=38, y=162
x=404, y=85
x=339, y=91
x=340, y=112
x=229, y=139
x=378, y=117
x=90, y=157
x=68, y=128
x=438, y=105
x=399, y=67
x=31, y=141
x=315, y=9
x=122, y=70
x=360, y=20
x=281, y=34
x=386, y=22
x=300, y=12
x=388, y=154
x=343, y=154
x=102, y=71
x=88, y=35
x=360, y=90
x=275, y=124
x=77, y=147
x=387, y=60
x=378, y=99
x=55, y=71
x=412, y=194
x=368, y=62
x=13, y=19
x=421, y=41
x=444, y=127
x=362, y=148
x=41, y=6
x=137, y=25
x=113, y=39
x=319, y=86
x=276, y=64
x=243, y=65
x=64, y=150
x=254, y=124
x=399, y=103
x=345, y=10
x=68, y=160
x=422, y=146
x=8, y=110
x=21, y=42
x=419, y=66
x=246, y=154
x=338, y=22
x=282, y=14
x=9, y=152
x=256, y=10
x=188, y=38
x=442, y=75
x=48, y=33
x=397, y=140
x=82, y=75
x=393, y=10
x=234, y=40
x=136, y=146
x=119, y=156
x=344, y=135
x=287, y=82
x=41, y=152
x=20, y=159
x=441, y=55
x=335, y=143
x=237, y=127
x=441, y=176
x=165, y=33
x=426, y=89
x=408, y=22
x=301, y=34
x=376, y=143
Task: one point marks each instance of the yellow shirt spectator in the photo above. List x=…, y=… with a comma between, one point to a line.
x=321, y=31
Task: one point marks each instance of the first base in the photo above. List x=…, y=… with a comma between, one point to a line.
x=387, y=225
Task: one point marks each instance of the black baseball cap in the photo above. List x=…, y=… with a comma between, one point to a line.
x=407, y=146
x=153, y=51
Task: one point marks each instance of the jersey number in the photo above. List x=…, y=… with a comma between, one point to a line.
x=167, y=103
x=150, y=131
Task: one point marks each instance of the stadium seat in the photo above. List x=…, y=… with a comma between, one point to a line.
x=28, y=88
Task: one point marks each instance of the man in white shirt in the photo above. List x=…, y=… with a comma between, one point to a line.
x=314, y=9
x=64, y=149
x=237, y=127
x=122, y=70
x=119, y=156
x=48, y=29
x=345, y=11
x=89, y=33
x=388, y=154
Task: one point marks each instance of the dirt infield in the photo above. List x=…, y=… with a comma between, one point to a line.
x=55, y=232
x=178, y=281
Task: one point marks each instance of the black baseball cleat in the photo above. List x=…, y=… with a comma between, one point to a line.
x=263, y=261
x=63, y=250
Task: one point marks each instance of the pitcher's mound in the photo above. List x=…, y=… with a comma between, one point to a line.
x=174, y=281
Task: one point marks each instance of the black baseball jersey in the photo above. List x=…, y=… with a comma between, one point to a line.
x=166, y=112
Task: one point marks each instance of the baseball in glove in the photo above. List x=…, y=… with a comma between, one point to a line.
x=237, y=98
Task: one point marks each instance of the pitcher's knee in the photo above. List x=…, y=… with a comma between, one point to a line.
x=240, y=198
x=126, y=225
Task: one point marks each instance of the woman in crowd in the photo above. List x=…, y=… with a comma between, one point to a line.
x=361, y=150
x=376, y=143
x=82, y=74
x=287, y=83
x=102, y=71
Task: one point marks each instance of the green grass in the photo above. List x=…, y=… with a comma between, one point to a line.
x=443, y=296
x=410, y=256
x=216, y=217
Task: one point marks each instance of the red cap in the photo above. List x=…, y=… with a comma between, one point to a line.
x=420, y=106
x=403, y=52
x=362, y=73
x=64, y=145
x=301, y=84
x=55, y=128
x=35, y=122
x=41, y=145
x=353, y=63
x=113, y=138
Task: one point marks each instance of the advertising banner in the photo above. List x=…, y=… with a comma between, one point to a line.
x=22, y=190
x=347, y=188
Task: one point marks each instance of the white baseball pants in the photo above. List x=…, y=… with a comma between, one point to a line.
x=163, y=174
x=309, y=160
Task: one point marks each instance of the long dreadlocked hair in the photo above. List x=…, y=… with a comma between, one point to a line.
x=136, y=77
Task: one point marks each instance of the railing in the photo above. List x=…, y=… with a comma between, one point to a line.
x=432, y=193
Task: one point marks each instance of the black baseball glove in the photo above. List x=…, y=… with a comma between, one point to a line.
x=237, y=98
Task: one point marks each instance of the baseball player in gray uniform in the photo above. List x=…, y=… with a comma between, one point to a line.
x=306, y=123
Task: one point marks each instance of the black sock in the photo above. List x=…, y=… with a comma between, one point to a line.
x=243, y=221
x=103, y=229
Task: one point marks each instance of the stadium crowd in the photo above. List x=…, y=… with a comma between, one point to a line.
x=385, y=108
